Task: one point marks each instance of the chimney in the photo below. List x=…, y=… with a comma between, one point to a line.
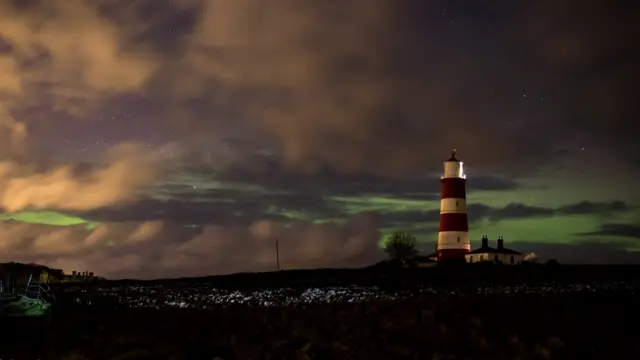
x=73, y=273
x=500, y=243
x=90, y=273
x=485, y=241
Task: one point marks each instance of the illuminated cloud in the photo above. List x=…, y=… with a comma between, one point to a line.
x=163, y=249
x=12, y=133
x=377, y=89
x=340, y=88
x=67, y=187
x=68, y=54
x=64, y=53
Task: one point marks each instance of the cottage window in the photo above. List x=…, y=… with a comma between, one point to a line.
x=495, y=258
x=512, y=259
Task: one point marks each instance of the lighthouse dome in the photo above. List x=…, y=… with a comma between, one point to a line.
x=453, y=156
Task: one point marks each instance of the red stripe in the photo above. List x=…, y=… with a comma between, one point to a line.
x=454, y=222
x=447, y=254
x=453, y=188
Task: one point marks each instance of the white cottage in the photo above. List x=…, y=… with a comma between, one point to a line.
x=498, y=255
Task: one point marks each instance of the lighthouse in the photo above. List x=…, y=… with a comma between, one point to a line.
x=453, y=236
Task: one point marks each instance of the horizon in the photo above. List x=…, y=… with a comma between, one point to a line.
x=181, y=137
x=536, y=262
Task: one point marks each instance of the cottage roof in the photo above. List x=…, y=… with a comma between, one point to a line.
x=490, y=250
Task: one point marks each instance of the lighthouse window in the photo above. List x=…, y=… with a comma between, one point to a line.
x=458, y=238
x=457, y=203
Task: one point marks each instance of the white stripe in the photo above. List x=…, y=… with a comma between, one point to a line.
x=453, y=205
x=453, y=240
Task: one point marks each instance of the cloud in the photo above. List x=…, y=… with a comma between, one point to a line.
x=269, y=171
x=583, y=253
x=353, y=95
x=621, y=230
x=568, y=42
x=239, y=195
x=64, y=56
x=12, y=133
x=478, y=212
x=491, y=183
x=355, y=86
x=154, y=249
x=160, y=249
x=519, y=210
x=588, y=207
x=124, y=170
x=383, y=86
x=67, y=54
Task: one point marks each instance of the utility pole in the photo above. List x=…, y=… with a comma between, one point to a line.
x=277, y=256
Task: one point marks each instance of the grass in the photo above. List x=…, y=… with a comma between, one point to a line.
x=429, y=327
x=524, y=326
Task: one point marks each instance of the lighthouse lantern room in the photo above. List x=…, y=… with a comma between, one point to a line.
x=453, y=236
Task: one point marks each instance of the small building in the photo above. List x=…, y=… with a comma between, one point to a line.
x=498, y=255
x=77, y=276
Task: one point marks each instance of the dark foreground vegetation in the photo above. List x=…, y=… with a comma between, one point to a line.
x=560, y=326
x=390, y=274
x=536, y=313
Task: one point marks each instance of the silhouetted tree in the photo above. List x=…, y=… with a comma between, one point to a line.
x=401, y=246
x=552, y=262
x=22, y=271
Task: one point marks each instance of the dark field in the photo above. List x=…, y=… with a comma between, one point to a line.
x=483, y=314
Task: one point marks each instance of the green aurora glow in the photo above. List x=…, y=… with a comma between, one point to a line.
x=52, y=218
x=555, y=228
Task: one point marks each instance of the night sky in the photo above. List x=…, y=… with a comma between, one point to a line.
x=155, y=138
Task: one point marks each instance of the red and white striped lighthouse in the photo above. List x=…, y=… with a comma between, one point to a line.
x=453, y=238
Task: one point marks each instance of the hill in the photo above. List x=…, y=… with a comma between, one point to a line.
x=390, y=275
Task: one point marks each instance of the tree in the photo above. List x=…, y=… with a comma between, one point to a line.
x=401, y=246
x=552, y=263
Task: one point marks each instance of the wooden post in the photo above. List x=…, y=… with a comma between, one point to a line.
x=277, y=256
